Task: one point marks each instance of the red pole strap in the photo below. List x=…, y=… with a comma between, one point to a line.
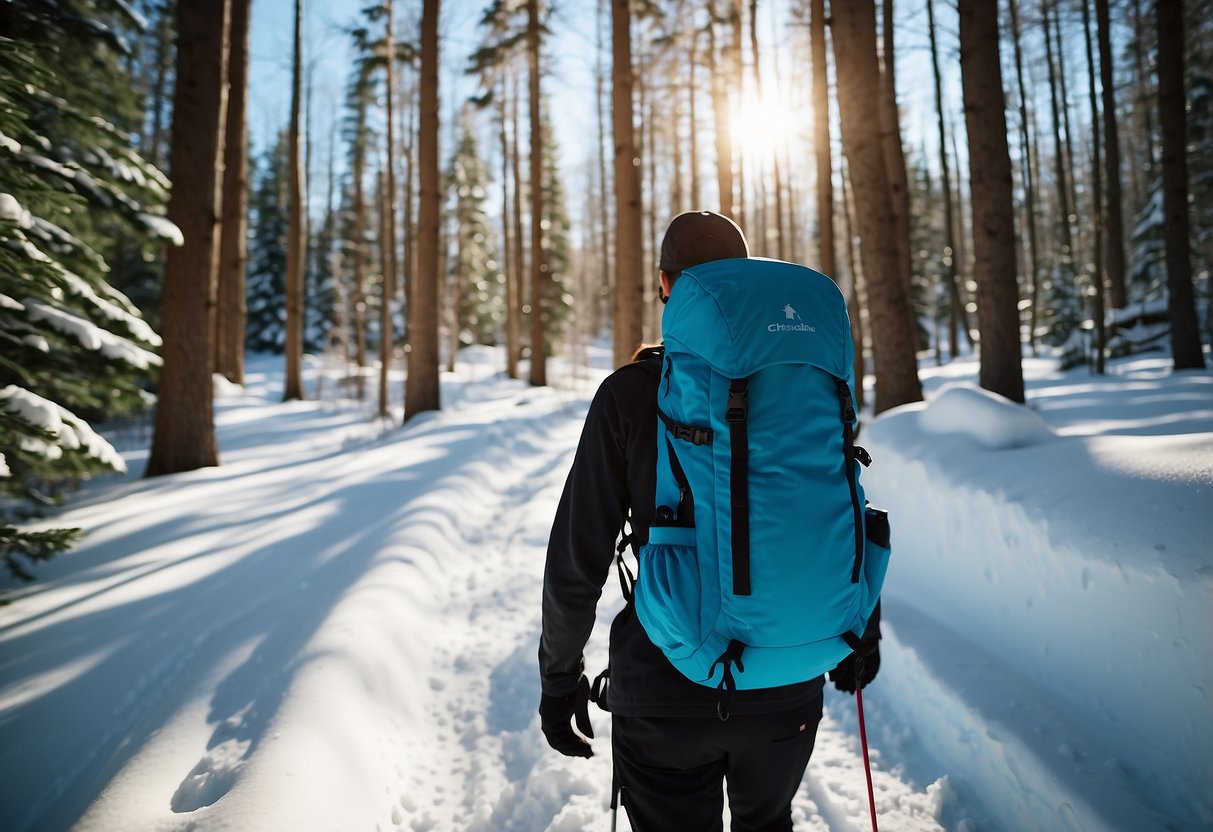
x=867, y=767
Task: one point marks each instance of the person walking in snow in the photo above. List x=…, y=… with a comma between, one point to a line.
x=671, y=748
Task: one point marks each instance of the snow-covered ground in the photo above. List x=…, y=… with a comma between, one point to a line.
x=337, y=629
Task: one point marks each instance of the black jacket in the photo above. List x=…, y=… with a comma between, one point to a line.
x=613, y=472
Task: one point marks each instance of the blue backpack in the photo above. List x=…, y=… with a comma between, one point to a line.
x=757, y=571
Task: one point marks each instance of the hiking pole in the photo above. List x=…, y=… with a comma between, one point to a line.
x=863, y=741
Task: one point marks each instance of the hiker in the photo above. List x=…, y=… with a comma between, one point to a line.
x=674, y=739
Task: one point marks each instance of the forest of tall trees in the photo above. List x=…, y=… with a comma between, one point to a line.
x=983, y=178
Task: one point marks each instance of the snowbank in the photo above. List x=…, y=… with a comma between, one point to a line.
x=1083, y=563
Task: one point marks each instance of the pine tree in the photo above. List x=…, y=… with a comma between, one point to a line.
x=476, y=272
x=557, y=248
x=73, y=347
x=266, y=330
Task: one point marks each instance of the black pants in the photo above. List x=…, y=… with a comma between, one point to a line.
x=670, y=769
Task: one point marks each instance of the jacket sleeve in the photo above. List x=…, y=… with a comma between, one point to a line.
x=581, y=548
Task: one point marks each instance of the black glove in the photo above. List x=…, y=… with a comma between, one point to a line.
x=556, y=714
x=858, y=669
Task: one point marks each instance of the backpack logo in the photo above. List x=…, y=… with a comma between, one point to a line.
x=790, y=314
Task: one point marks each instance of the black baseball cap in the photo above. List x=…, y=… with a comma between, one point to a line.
x=699, y=237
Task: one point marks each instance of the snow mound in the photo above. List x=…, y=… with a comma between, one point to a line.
x=995, y=422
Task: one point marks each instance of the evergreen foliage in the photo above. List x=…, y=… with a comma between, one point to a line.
x=267, y=252
x=320, y=288
x=477, y=273
x=74, y=347
x=557, y=250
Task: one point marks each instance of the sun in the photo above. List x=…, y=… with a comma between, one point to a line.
x=763, y=124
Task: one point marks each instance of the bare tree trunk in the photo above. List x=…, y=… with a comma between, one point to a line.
x=1029, y=184
x=859, y=366
x=296, y=244
x=507, y=265
x=409, y=266
x=387, y=225
x=387, y=335
x=893, y=342
x=959, y=316
x=184, y=437
x=230, y=307
x=821, y=140
x=1063, y=192
x=993, y=207
x=1063, y=81
x=724, y=133
x=736, y=85
x=358, y=241
x=456, y=281
x=792, y=212
x=1097, y=207
x=539, y=268
x=894, y=156
x=1113, y=223
x=607, y=274
x=422, y=390
x=1172, y=118
x=1145, y=100
x=164, y=49
x=760, y=221
x=629, y=266
x=696, y=204
x=519, y=259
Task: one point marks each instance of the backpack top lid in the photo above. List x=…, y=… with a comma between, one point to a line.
x=743, y=314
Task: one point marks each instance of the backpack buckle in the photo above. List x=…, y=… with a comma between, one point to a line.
x=738, y=402
x=696, y=436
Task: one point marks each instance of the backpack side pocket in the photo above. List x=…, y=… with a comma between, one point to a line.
x=877, y=551
x=668, y=588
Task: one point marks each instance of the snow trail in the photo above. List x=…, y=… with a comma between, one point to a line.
x=338, y=630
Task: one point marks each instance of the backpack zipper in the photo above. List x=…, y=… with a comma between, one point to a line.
x=669, y=366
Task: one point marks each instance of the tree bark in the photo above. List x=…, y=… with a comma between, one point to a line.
x=993, y=209
x=164, y=50
x=854, y=304
x=629, y=266
x=1172, y=118
x=894, y=155
x=1029, y=184
x=893, y=342
x=821, y=140
x=507, y=265
x=1113, y=222
x=408, y=265
x=230, y=307
x=184, y=437
x=1097, y=206
x=724, y=133
x=296, y=245
x=959, y=315
x=539, y=268
x=358, y=233
x=519, y=259
x=421, y=388
x=387, y=213
x=1063, y=191
x=606, y=289
x=736, y=85
x=692, y=95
